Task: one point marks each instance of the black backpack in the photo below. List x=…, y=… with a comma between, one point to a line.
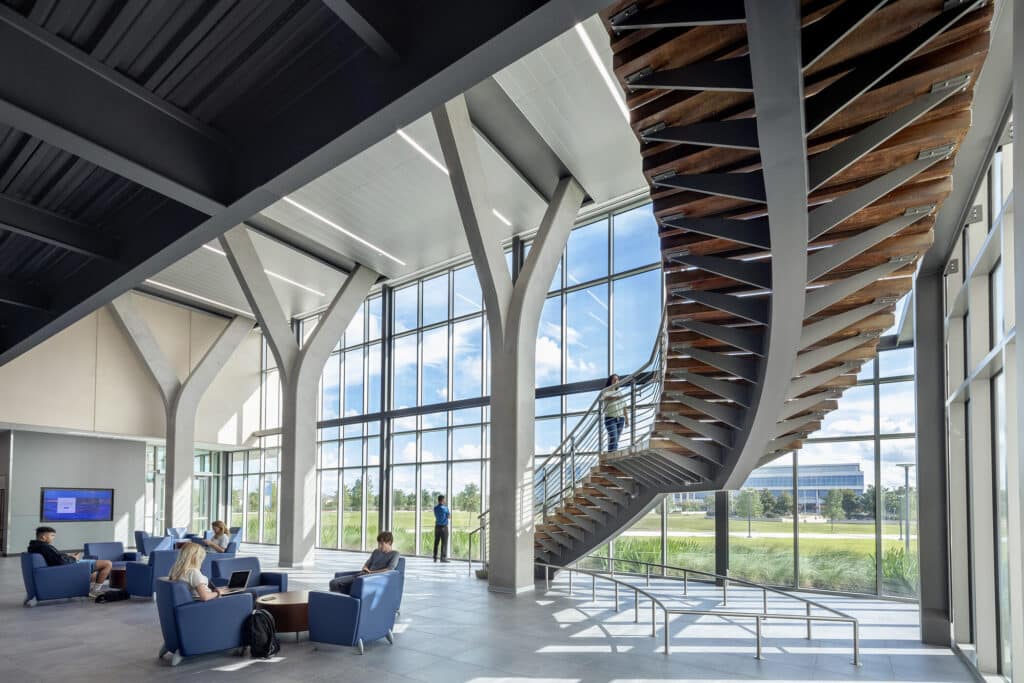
x=260, y=634
x=112, y=596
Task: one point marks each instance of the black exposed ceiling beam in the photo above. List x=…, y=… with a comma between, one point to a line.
x=23, y=296
x=53, y=91
x=447, y=48
x=362, y=27
x=44, y=226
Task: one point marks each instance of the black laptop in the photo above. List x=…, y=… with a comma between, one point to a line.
x=237, y=582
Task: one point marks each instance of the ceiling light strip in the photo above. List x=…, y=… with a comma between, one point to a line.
x=271, y=273
x=608, y=81
x=342, y=230
x=197, y=297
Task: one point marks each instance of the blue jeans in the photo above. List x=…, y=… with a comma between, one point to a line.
x=614, y=426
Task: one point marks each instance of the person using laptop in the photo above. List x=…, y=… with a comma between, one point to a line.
x=187, y=568
x=221, y=540
x=99, y=570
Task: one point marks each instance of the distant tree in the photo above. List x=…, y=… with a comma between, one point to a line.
x=767, y=503
x=748, y=504
x=468, y=498
x=867, y=501
x=851, y=503
x=783, y=504
x=834, y=507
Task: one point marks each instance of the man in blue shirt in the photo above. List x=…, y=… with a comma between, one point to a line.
x=442, y=518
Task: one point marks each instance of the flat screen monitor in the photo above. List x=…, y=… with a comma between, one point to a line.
x=76, y=505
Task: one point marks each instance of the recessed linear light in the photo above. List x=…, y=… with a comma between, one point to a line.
x=501, y=218
x=343, y=231
x=444, y=169
x=596, y=59
x=271, y=273
x=193, y=295
x=419, y=148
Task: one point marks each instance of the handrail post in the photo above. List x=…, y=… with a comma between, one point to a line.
x=632, y=413
x=686, y=583
x=758, y=633
x=636, y=606
x=764, y=593
x=600, y=428
x=856, y=643
x=547, y=578
x=667, y=651
x=648, y=574
x=654, y=620
x=570, y=582
x=808, y=621
x=593, y=588
x=572, y=464
x=616, y=596
x=725, y=592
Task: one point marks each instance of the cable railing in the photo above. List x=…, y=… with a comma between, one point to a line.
x=833, y=616
x=558, y=476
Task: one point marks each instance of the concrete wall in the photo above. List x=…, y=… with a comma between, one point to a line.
x=39, y=459
x=90, y=378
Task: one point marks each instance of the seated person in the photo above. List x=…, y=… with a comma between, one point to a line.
x=99, y=570
x=383, y=559
x=221, y=539
x=187, y=568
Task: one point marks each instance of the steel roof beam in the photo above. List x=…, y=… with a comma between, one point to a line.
x=362, y=27
x=65, y=97
x=45, y=226
x=753, y=232
x=23, y=296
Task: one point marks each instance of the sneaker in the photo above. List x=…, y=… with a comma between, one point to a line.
x=435, y=559
x=95, y=590
x=445, y=561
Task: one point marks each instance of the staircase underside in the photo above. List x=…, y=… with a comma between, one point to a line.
x=786, y=240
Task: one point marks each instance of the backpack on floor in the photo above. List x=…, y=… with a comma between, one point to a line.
x=260, y=634
x=112, y=596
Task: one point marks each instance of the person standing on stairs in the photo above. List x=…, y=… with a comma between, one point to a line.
x=615, y=417
x=442, y=520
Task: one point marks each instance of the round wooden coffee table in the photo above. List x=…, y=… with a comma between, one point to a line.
x=290, y=610
x=118, y=577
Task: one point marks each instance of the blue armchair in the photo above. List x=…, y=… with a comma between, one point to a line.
x=236, y=534
x=110, y=550
x=399, y=580
x=192, y=627
x=260, y=582
x=141, y=577
x=52, y=583
x=368, y=613
x=177, y=531
x=145, y=542
x=228, y=552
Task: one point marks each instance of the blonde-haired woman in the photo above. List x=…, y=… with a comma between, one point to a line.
x=187, y=568
x=220, y=541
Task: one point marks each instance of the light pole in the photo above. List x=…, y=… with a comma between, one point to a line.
x=906, y=506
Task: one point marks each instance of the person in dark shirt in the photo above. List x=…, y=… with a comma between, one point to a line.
x=43, y=545
x=383, y=559
x=442, y=519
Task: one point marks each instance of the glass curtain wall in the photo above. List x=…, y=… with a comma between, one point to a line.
x=822, y=499
x=253, y=483
x=156, y=462
x=207, y=486
x=981, y=382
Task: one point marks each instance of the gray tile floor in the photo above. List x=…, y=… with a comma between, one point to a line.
x=451, y=630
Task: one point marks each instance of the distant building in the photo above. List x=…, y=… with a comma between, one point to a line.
x=814, y=483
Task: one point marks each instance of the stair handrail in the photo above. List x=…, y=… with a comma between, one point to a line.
x=578, y=449
x=668, y=612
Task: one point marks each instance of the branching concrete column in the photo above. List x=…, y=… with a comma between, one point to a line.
x=181, y=399
x=299, y=370
x=513, y=314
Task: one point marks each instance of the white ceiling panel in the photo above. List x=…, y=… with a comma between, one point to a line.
x=560, y=90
